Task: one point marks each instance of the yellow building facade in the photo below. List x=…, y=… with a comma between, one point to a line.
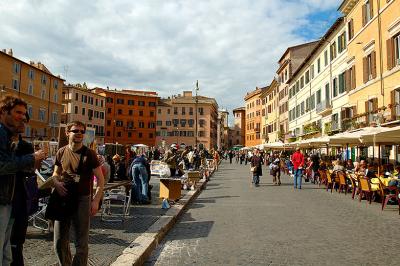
x=374, y=49
x=269, y=113
x=42, y=90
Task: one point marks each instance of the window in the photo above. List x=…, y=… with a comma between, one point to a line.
x=15, y=84
x=120, y=101
x=150, y=135
x=130, y=112
x=190, y=122
x=301, y=82
x=183, y=110
x=43, y=79
x=319, y=65
x=159, y=111
x=109, y=100
x=119, y=123
x=55, y=84
x=342, y=82
x=43, y=94
x=183, y=122
x=42, y=114
x=55, y=98
x=16, y=67
x=307, y=76
x=108, y=122
x=175, y=110
x=297, y=87
x=159, y=123
x=31, y=74
x=76, y=110
x=83, y=111
x=151, y=113
x=350, y=29
x=333, y=50
x=326, y=57
x=54, y=117
x=201, y=111
x=342, y=42
x=190, y=110
x=30, y=89
x=302, y=108
x=327, y=92
x=312, y=71
x=367, y=12
x=131, y=102
x=393, y=51
x=141, y=113
x=30, y=111
x=119, y=134
x=120, y=111
x=153, y=104
x=108, y=110
x=350, y=79
x=168, y=123
x=168, y=111
x=335, y=87
x=141, y=103
x=369, y=67
x=312, y=102
x=319, y=96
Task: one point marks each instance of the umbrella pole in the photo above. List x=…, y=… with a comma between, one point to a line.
x=379, y=158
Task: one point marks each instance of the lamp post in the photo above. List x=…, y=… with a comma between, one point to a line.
x=177, y=136
x=196, y=102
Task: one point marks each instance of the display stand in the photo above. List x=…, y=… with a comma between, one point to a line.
x=170, y=188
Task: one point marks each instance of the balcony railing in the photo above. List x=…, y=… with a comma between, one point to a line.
x=323, y=106
x=335, y=126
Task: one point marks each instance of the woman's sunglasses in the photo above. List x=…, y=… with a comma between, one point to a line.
x=78, y=131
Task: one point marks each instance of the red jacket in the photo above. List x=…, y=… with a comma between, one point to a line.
x=297, y=160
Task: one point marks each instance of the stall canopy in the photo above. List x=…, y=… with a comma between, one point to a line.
x=273, y=145
x=382, y=135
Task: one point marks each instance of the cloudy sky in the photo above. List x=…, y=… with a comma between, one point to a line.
x=229, y=46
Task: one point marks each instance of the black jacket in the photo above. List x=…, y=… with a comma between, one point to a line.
x=9, y=165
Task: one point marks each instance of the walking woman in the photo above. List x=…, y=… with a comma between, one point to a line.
x=256, y=162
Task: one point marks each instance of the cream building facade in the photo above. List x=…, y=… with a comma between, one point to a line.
x=80, y=103
x=317, y=90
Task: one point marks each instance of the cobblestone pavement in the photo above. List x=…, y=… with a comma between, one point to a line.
x=232, y=223
x=107, y=239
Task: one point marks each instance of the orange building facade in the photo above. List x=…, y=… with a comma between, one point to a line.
x=254, y=107
x=42, y=91
x=130, y=116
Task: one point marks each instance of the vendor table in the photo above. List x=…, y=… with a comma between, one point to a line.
x=170, y=188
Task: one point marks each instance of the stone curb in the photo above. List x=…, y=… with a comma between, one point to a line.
x=142, y=247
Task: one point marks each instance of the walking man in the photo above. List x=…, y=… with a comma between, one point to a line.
x=12, y=122
x=298, y=162
x=76, y=163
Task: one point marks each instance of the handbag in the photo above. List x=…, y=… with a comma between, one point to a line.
x=253, y=169
x=61, y=208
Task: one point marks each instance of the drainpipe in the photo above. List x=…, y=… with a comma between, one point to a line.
x=380, y=54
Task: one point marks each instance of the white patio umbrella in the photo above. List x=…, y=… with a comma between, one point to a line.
x=382, y=135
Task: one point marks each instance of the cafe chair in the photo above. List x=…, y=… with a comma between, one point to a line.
x=330, y=182
x=342, y=182
x=389, y=193
x=119, y=198
x=366, y=189
x=354, y=184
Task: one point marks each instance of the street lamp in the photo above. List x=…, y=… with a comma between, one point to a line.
x=177, y=136
x=196, y=102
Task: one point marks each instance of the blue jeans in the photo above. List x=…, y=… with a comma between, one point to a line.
x=256, y=179
x=141, y=181
x=297, y=178
x=6, y=223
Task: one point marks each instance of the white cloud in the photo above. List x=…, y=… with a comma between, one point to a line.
x=229, y=46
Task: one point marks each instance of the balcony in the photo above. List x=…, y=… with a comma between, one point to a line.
x=130, y=128
x=323, y=107
x=335, y=126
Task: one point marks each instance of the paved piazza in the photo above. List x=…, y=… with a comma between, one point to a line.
x=232, y=223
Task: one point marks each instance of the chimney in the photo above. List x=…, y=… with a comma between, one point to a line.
x=187, y=94
x=10, y=52
x=31, y=63
x=4, y=51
